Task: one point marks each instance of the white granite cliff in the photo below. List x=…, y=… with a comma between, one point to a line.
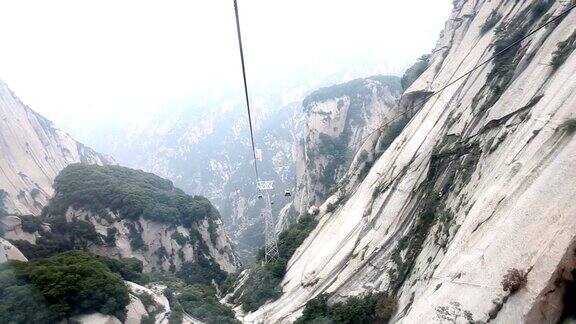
x=480, y=181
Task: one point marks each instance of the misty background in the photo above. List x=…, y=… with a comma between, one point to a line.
x=92, y=65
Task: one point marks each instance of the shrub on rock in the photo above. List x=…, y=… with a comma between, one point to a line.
x=514, y=280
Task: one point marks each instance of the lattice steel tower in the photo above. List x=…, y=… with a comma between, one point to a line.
x=271, y=244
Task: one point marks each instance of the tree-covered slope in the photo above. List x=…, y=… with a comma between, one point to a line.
x=49, y=290
x=129, y=194
x=122, y=212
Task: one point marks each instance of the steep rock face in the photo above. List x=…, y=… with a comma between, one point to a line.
x=162, y=249
x=337, y=119
x=480, y=182
x=32, y=152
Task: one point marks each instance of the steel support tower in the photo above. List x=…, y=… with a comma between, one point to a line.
x=271, y=244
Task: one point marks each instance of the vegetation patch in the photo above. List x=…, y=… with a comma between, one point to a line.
x=504, y=65
x=392, y=131
x=111, y=236
x=51, y=244
x=179, y=238
x=129, y=269
x=3, y=211
x=367, y=162
x=499, y=141
x=263, y=282
x=129, y=193
x=415, y=71
x=539, y=8
x=229, y=284
x=136, y=240
x=450, y=168
x=62, y=236
x=47, y=245
x=30, y=223
x=197, y=300
x=289, y=241
x=152, y=308
x=568, y=126
x=202, y=270
x=454, y=314
x=260, y=286
x=491, y=21
x=514, y=280
x=335, y=151
x=563, y=51
x=34, y=193
x=48, y=290
x=331, y=207
x=373, y=308
x=200, y=301
x=445, y=221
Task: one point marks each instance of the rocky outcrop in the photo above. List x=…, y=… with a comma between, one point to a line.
x=32, y=152
x=123, y=213
x=480, y=182
x=165, y=247
x=10, y=252
x=162, y=247
x=337, y=120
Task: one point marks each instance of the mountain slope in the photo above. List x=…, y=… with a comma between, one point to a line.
x=124, y=213
x=479, y=183
x=32, y=152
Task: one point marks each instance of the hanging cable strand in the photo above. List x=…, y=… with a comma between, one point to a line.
x=246, y=90
x=271, y=245
x=488, y=60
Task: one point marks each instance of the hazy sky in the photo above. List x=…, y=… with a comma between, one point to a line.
x=73, y=58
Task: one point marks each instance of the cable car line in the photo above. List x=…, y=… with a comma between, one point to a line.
x=246, y=90
x=264, y=187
